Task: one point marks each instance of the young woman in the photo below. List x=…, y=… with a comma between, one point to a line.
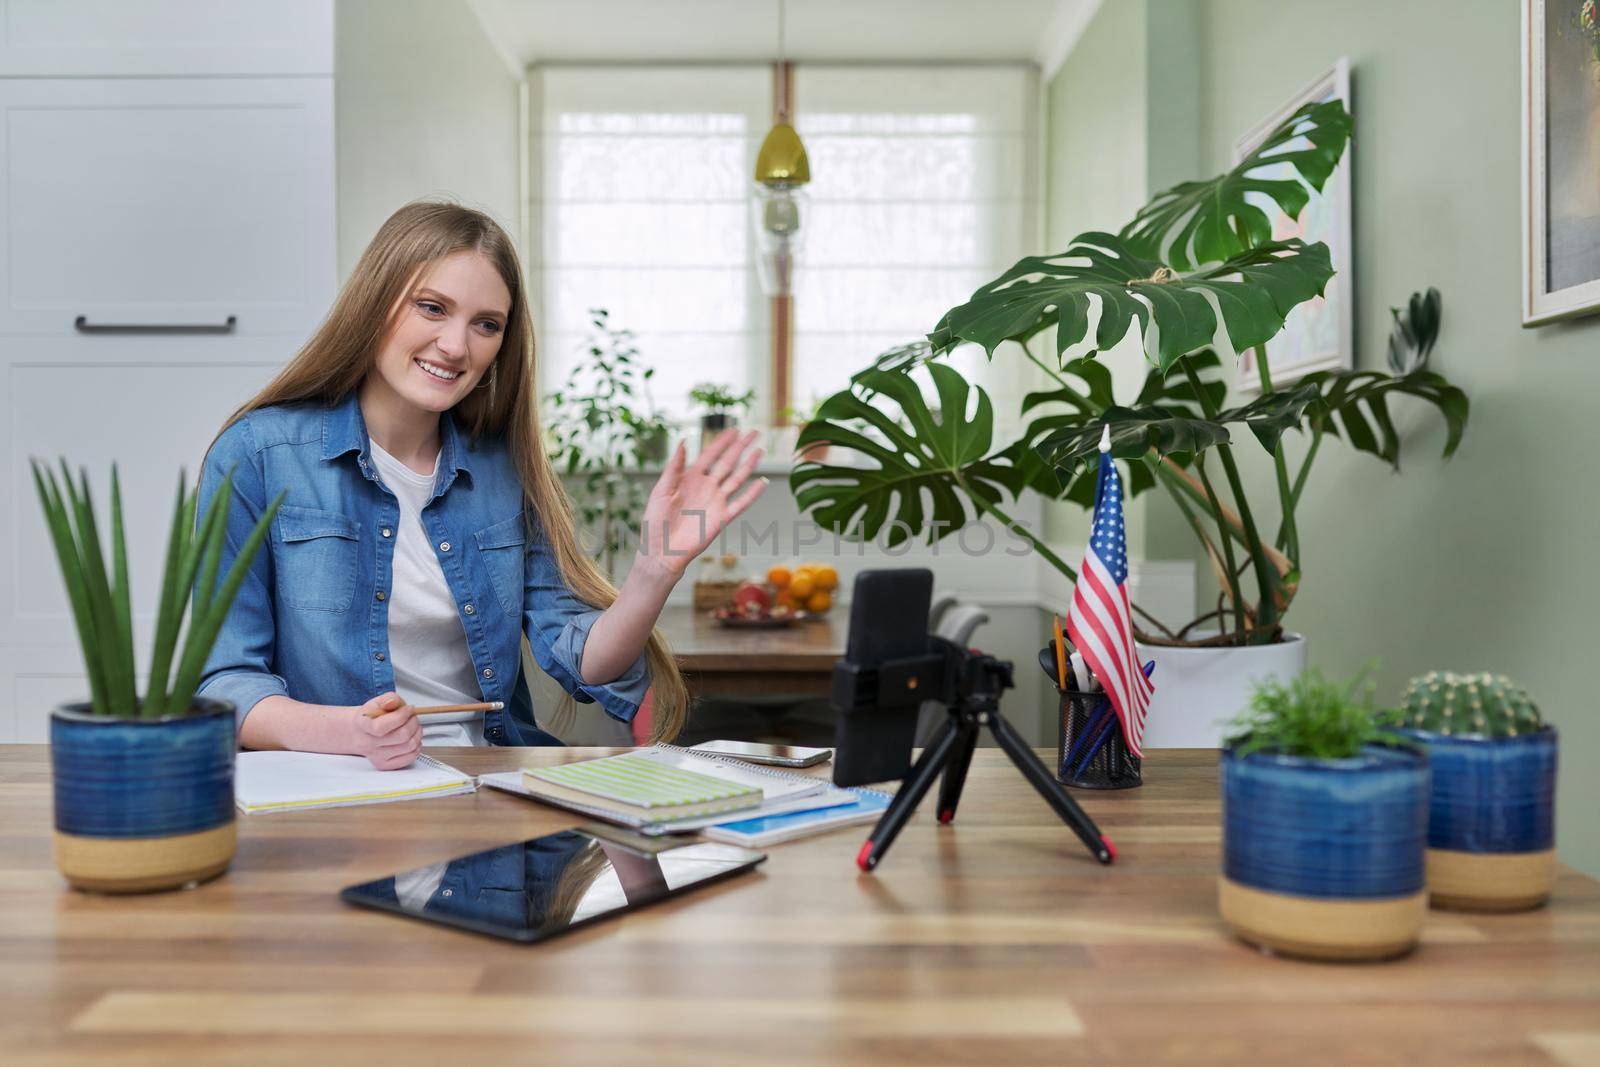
x=424, y=532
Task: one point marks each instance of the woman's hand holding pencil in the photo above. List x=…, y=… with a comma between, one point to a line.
x=388, y=732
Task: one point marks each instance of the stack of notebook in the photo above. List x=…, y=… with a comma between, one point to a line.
x=665, y=788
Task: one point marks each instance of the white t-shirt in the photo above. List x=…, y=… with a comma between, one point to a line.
x=427, y=645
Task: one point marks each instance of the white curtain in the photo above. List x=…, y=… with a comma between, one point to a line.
x=924, y=187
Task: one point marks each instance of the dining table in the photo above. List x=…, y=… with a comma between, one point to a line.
x=745, y=661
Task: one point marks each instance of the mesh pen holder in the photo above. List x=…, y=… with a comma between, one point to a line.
x=1093, y=753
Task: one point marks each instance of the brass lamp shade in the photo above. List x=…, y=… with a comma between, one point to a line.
x=782, y=159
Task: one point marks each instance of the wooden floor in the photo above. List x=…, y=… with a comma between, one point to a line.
x=993, y=941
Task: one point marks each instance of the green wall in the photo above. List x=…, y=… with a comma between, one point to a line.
x=1482, y=562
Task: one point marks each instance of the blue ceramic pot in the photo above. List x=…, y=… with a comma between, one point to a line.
x=1492, y=820
x=1325, y=858
x=143, y=804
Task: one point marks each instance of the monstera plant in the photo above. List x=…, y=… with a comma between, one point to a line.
x=1195, y=271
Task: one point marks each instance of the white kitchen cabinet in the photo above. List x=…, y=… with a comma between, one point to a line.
x=167, y=242
x=185, y=204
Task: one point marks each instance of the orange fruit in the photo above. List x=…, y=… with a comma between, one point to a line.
x=783, y=599
x=801, y=585
x=778, y=576
x=819, y=602
x=827, y=577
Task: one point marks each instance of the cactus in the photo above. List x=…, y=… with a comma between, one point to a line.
x=1488, y=705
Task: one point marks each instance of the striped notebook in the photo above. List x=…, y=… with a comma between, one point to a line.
x=643, y=786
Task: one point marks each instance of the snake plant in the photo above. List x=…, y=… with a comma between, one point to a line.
x=1197, y=268
x=101, y=604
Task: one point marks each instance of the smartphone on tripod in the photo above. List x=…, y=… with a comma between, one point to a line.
x=888, y=620
x=891, y=667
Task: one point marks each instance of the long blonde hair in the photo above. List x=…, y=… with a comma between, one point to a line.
x=340, y=354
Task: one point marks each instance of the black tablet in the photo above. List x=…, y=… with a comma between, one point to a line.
x=536, y=889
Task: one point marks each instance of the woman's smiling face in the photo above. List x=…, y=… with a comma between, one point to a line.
x=446, y=333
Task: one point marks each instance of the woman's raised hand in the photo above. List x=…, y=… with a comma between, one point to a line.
x=388, y=732
x=693, y=502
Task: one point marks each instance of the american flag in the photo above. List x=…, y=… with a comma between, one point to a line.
x=1100, y=622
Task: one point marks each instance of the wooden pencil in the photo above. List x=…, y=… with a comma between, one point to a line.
x=449, y=709
x=1061, y=654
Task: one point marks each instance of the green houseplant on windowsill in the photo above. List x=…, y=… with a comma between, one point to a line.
x=719, y=407
x=143, y=788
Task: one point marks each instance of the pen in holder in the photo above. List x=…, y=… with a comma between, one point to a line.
x=1093, y=753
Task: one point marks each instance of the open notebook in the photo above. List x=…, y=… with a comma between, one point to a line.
x=299, y=781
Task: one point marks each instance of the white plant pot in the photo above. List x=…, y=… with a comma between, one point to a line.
x=1200, y=689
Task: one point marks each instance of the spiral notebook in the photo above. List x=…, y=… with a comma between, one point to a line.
x=300, y=781
x=734, y=787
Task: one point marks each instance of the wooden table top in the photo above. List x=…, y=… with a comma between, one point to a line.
x=703, y=644
x=995, y=940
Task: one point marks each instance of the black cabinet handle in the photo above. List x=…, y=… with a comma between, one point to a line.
x=83, y=325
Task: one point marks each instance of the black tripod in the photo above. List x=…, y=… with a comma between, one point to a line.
x=975, y=703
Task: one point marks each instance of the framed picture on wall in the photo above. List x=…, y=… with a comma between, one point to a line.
x=1560, y=159
x=1319, y=334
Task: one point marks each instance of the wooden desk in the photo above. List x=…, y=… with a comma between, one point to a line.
x=993, y=941
x=721, y=661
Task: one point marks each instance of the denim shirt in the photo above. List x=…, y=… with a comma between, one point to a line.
x=311, y=620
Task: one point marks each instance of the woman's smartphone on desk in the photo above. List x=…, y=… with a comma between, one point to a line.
x=775, y=755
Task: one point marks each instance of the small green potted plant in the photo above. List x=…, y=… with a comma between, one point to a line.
x=1492, y=821
x=144, y=788
x=719, y=407
x=1324, y=824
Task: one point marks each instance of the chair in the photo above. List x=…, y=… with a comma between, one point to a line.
x=955, y=622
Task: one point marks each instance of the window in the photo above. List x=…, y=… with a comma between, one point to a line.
x=639, y=178
x=924, y=187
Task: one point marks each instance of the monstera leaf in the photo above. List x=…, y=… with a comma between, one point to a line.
x=1272, y=415
x=1355, y=405
x=1066, y=406
x=1177, y=427
x=1206, y=222
x=1134, y=433
x=900, y=358
x=1068, y=410
x=921, y=475
x=1253, y=290
x=1174, y=391
x=1352, y=404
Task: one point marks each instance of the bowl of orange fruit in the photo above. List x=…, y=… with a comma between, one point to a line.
x=807, y=588
x=789, y=595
